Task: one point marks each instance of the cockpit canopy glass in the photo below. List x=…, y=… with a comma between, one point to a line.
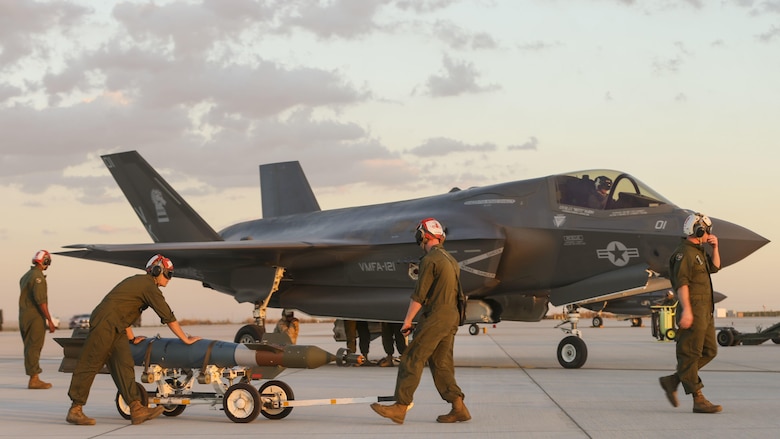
x=605, y=190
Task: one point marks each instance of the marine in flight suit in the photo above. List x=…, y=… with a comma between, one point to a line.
x=690, y=268
x=436, y=296
x=110, y=336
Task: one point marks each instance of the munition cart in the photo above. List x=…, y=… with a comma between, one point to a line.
x=728, y=336
x=229, y=368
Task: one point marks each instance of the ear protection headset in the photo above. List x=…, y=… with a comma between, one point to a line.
x=42, y=257
x=697, y=225
x=157, y=264
x=429, y=228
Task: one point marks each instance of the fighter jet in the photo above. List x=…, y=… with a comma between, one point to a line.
x=521, y=246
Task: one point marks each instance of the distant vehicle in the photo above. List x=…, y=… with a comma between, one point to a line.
x=79, y=321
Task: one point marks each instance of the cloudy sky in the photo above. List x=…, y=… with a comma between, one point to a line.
x=380, y=100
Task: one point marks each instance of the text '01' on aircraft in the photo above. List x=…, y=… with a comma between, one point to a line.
x=521, y=246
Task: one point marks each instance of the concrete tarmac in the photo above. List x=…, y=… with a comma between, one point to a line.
x=510, y=374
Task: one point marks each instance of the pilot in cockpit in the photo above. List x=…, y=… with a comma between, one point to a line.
x=598, y=198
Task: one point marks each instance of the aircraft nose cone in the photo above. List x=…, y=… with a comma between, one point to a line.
x=735, y=241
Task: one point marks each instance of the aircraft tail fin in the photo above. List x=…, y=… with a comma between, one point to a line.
x=163, y=212
x=285, y=190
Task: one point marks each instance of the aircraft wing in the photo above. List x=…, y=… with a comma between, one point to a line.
x=628, y=281
x=291, y=255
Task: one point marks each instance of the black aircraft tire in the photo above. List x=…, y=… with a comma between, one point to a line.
x=725, y=337
x=572, y=352
x=598, y=322
x=273, y=387
x=473, y=329
x=249, y=334
x=124, y=408
x=241, y=403
x=776, y=340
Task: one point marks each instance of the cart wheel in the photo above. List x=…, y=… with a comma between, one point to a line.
x=124, y=408
x=173, y=409
x=241, y=403
x=474, y=329
x=572, y=352
x=725, y=337
x=598, y=322
x=671, y=334
x=283, y=391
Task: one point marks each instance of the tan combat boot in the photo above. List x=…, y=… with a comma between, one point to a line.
x=701, y=405
x=395, y=412
x=459, y=413
x=386, y=362
x=36, y=383
x=140, y=413
x=76, y=416
x=669, y=384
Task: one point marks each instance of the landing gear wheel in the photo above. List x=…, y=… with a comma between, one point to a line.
x=725, y=337
x=670, y=334
x=124, y=408
x=598, y=322
x=776, y=340
x=241, y=403
x=474, y=329
x=636, y=322
x=283, y=391
x=572, y=352
x=249, y=334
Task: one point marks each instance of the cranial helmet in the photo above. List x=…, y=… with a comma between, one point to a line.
x=42, y=257
x=159, y=264
x=288, y=312
x=697, y=225
x=603, y=183
x=427, y=229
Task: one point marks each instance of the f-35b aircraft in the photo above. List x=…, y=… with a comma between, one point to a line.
x=521, y=246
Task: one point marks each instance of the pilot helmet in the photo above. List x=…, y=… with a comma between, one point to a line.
x=697, y=225
x=160, y=264
x=42, y=257
x=427, y=229
x=603, y=183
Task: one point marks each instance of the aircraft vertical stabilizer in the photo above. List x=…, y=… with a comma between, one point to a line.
x=163, y=212
x=285, y=190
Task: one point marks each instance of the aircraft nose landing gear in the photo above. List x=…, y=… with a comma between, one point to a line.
x=572, y=350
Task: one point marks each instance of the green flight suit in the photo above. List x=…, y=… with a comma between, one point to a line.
x=434, y=337
x=32, y=323
x=696, y=346
x=107, y=341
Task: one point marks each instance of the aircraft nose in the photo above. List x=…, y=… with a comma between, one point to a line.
x=735, y=241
